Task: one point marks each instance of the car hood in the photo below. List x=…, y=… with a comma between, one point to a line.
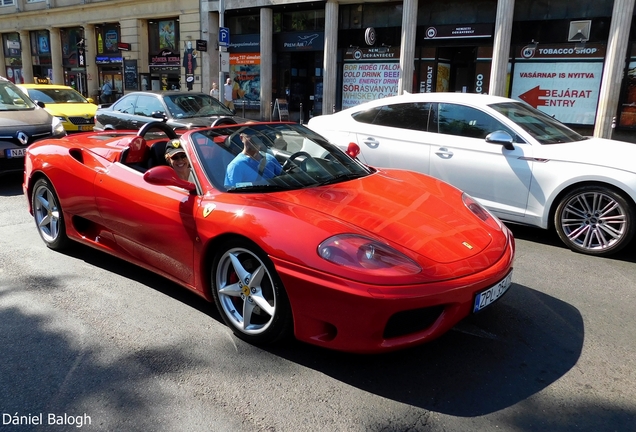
x=25, y=118
x=72, y=109
x=416, y=212
x=593, y=151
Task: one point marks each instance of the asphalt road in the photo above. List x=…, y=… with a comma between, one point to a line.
x=90, y=340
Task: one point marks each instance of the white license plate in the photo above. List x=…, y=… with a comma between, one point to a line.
x=488, y=296
x=14, y=153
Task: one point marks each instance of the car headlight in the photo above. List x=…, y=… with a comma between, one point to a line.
x=479, y=211
x=367, y=255
x=57, y=127
x=62, y=119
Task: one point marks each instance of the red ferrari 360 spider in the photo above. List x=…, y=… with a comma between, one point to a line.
x=283, y=231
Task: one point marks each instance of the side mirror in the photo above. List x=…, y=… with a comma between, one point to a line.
x=90, y=100
x=159, y=115
x=163, y=175
x=353, y=150
x=39, y=103
x=501, y=137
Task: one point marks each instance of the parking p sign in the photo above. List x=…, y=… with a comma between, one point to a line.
x=224, y=36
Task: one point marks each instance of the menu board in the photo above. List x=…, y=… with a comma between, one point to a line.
x=131, y=80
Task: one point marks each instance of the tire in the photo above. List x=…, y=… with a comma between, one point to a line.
x=48, y=215
x=595, y=220
x=249, y=294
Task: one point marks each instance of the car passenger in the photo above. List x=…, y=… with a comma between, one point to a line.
x=177, y=159
x=251, y=165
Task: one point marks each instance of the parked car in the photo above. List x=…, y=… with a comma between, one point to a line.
x=180, y=110
x=76, y=113
x=341, y=255
x=22, y=122
x=521, y=164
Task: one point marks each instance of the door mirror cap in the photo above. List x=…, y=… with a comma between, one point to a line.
x=501, y=137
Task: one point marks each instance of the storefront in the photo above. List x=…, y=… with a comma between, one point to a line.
x=164, y=60
x=109, y=60
x=12, y=57
x=41, y=54
x=74, y=59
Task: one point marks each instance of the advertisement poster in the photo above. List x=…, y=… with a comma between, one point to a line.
x=364, y=82
x=245, y=70
x=369, y=74
x=166, y=35
x=567, y=91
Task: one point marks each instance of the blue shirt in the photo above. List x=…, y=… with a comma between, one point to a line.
x=244, y=169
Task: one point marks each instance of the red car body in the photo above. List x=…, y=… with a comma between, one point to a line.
x=109, y=200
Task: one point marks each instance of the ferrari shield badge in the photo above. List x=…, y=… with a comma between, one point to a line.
x=209, y=208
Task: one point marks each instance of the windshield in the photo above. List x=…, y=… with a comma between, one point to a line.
x=271, y=157
x=12, y=98
x=542, y=127
x=56, y=96
x=195, y=105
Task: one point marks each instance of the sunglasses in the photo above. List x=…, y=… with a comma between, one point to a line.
x=178, y=156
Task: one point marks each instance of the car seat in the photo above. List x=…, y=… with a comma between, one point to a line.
x=157, y=154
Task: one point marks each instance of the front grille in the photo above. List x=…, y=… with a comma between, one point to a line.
x=411, y=321
x=82, y=120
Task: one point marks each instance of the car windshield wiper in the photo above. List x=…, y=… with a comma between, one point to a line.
x=340, y=177
x=258, y=188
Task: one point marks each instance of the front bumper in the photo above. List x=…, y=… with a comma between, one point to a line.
x=345, y=315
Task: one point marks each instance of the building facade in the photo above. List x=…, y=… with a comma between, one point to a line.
x=575, y=61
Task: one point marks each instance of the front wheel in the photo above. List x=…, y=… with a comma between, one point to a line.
x=48, y=215
x=595, y=220
x=249, y=294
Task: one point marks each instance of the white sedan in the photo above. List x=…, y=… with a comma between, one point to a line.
x=523, y=165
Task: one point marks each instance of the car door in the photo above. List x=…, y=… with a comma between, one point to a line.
x=460, y=155
x=145, y=107
x=153, y=224
x=119, y=114
x=394, y=135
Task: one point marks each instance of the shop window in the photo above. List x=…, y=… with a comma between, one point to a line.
x=245, y=24
x=303, y=20
x=7, y=2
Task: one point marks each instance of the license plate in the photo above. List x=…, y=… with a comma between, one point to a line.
x=86, y=128
x=488, y=296
x=14, y=153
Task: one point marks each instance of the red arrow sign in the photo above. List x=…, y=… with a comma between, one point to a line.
x=532, y=96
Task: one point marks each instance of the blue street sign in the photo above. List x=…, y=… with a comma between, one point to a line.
x=224, y=36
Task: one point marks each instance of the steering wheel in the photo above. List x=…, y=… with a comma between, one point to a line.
x=163, y=127
x=290, y=164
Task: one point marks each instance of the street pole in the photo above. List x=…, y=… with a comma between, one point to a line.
x=221, y=24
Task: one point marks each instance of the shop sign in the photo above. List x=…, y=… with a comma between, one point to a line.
x=560, y=51
x=460, y=31
x=569, y=91
x=381, y=53
x=245, y=43
x=165, y=58
x=305, y=41
x=106, y=60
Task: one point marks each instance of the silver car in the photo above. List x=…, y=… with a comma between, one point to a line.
x=22, y=122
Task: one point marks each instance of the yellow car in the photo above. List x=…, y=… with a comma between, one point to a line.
x=76, y=113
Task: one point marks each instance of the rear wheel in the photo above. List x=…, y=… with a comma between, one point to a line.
x=249, y=294
x=48, y=216
x=595, y=220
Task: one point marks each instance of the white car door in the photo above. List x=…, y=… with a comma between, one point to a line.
x=394, y=136
x=460, y=155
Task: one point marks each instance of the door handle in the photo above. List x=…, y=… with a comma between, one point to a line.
x=371, y=142
x=444, y=153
